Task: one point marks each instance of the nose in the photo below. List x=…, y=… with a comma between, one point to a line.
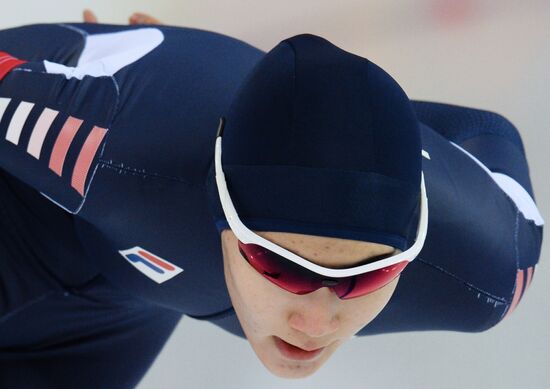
x=317, y=315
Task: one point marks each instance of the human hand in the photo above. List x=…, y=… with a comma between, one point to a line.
x=89, y=16
x=135, y=18
x=141, y=18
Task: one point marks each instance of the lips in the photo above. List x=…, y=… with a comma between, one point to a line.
x=292, y=352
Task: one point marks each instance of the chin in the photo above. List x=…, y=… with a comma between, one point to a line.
x=289, y=369
x=293, y=371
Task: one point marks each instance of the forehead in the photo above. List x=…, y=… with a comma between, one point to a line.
x=327, y=251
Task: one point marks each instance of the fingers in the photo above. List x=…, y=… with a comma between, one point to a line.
x=141, y=18
x=135, y=18
x=89, y=16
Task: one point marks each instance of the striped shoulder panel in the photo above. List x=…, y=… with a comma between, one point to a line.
x=53, y=130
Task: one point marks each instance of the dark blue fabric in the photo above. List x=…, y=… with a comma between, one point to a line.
x=322, y=136
x=490, y=149
x=458, y=123
x=150, y=170
x=476, y=241
x=40, y=42
x=330, y=202
x=487, y=135
x=87, y=337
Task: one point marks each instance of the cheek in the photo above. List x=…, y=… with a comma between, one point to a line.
x=366, y=308
x=257, y=302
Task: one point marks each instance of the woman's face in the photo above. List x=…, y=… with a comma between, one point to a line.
x=310, y=321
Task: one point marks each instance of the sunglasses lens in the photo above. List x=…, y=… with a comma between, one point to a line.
x=279, y=270
x=299, y=280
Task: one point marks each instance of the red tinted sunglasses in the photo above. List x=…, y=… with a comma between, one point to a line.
x=299, y=280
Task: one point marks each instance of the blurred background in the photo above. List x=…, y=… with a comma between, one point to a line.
x=487, y=54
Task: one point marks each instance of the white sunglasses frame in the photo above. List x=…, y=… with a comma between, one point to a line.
x=245, y=235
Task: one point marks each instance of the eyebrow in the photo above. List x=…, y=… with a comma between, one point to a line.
x=363, y=261
x=375, y=258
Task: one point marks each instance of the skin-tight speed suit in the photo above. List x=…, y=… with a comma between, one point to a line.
x=107, y=239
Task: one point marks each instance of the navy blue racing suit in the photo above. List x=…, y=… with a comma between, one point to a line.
x=106, y=139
